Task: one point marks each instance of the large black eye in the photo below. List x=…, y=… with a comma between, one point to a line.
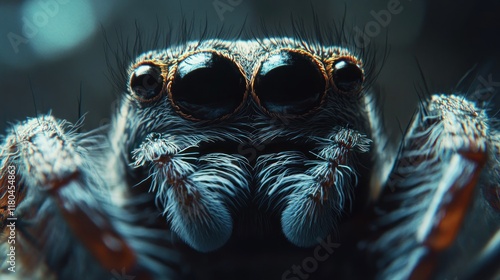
x=207, y=86
x=289, y=83
x=146, y=82
x=347, y=76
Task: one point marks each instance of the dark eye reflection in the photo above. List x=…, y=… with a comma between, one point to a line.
x=207, y=86
x=347, y=76
x=146, y=82
x=289, y=83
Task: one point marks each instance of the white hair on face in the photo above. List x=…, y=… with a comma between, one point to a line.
x=194, y=191
x=313, y=193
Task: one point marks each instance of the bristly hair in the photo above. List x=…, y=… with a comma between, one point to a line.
x=311, y=194
x=196, y=192
x=121, y=54
x=324, y=33
x=425, y=176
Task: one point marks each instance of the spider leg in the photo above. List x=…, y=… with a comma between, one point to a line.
x=426, y=204
x=54, y=204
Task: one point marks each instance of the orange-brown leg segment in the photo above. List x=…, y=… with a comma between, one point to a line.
x=59, y=203
x=432, y=189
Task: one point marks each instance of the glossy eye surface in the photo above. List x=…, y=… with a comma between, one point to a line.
x=347, y=76
x=207, y=86
x=146, y=82
x=289, y=83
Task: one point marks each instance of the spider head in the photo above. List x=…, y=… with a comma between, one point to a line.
x=217, y=125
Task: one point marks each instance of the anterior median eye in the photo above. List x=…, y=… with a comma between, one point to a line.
x=146, y=82
x=289, y=83
x=207, y=86
x=347, y=76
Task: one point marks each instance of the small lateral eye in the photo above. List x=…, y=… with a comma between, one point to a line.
x=146, y=82
x=347, y=76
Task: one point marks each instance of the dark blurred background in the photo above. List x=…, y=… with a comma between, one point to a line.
x=56, y=47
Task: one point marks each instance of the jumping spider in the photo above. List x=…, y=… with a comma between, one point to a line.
x=234, y=159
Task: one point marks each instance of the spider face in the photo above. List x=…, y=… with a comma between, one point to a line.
x=193, y=111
